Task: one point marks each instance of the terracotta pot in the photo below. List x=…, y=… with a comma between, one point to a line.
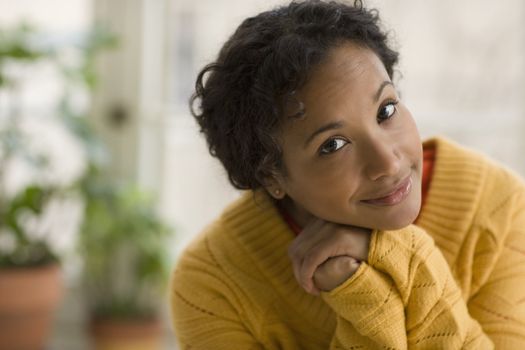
x=28, y=300
x=118, y=334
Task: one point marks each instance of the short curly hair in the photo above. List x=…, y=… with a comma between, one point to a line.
x=241, y=95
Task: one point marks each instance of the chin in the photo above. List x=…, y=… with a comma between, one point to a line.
x=400, y=219
x=395, y=224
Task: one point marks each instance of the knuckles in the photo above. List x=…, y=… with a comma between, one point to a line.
x=334, y=272
x=326, y=255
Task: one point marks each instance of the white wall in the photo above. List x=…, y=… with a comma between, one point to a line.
x=463, y=66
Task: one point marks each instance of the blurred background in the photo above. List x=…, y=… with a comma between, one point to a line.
x=104, y=177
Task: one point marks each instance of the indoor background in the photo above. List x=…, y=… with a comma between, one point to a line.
x=462, y=75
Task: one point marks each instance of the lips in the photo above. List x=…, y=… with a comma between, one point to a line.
x=397, y=195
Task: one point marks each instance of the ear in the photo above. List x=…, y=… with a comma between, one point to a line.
x=274, y=188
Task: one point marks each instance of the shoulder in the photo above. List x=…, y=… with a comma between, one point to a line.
x=475, y=205
x=203, y=281
x=492, y=184
x=237, y=244
x=234, y=262
x=469, y=193
x=239, y=223
x=216, y=238
x=501, y=190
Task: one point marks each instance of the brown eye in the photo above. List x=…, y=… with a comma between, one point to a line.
x=386, y=112
x=332, y=146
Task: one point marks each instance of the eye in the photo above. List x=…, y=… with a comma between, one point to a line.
x=332, y=146
x=387, y=111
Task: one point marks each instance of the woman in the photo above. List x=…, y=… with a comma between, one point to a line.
x=351, y=235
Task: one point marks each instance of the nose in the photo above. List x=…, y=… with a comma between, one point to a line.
x=382, y=159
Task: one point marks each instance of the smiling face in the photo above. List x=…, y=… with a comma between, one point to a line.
x=355, y=157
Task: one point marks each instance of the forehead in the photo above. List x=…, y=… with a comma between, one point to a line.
x=347, y=67
x=347, y=74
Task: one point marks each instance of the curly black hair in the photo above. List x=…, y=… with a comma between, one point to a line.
x=267, y=58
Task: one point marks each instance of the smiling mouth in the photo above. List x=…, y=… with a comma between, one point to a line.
x=394, y=197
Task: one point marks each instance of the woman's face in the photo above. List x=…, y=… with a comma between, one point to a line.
x=355, y=157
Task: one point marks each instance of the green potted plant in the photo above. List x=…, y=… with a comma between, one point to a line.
x=123, y=244
x=37, y=191
x=123, y=241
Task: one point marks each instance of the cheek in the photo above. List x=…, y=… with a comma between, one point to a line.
x=325, y=179
x=412, y=139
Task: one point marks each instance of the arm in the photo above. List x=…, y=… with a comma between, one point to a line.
x=498, y=296
x=370, y=314
x=200, y=328
x=436, y=314
x=404, y=297
x=203, y=317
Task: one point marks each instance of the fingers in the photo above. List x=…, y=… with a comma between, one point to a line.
x=334, y=272
x=305, y=258
x=361, y=242
x=310, y=263
x=318, y=244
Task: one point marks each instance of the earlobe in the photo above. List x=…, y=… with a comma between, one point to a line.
x=274, y=189
x=274, y=184
x=277, y=193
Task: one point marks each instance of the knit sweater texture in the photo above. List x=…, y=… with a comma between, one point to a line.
x=454, y=280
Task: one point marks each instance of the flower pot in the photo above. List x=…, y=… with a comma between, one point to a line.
x=28, y=299
x=120, y=334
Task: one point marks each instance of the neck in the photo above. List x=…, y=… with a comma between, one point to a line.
x=300, y=215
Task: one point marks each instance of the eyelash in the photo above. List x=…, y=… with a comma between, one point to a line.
x=380, y=120
x=322, y=151
x=392, y=103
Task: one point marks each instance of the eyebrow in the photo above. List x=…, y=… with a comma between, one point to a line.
x=380, y=90
x=329, y=126
x=339, y=124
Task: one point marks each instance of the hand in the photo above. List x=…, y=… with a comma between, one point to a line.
x=335, y=271
x=328, y=251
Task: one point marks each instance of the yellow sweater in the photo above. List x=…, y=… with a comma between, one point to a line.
x=456, y=280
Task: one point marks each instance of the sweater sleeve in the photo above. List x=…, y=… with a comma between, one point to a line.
x=498, y=295
x=202, y=315
x=370, y=314
x=411, y=275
